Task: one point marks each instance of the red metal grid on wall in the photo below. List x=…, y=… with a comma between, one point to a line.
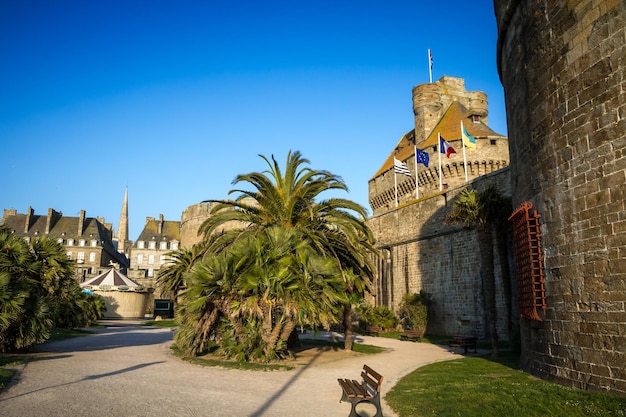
x=528, y=261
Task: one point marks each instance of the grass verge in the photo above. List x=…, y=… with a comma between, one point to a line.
x=484, y=387
x=254, y=366
x=160, y=323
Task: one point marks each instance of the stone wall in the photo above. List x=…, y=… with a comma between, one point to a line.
x=419, y=252
x=563, y=67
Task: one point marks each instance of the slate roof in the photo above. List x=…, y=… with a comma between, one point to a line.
x=170, y=231
x=65, y=227
x=448, y=127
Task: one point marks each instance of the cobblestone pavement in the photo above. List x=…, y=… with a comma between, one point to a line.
x=126, y=369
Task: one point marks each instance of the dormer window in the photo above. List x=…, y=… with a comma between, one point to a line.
x=476, y=118
x=81, y=242
x=152, y=245
x=174, y=245
x=163, y=245
x=94, y=243
x=70, y=242
x=141, y=244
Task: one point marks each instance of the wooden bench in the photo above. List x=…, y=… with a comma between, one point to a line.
x=412, y=335
x=464, y=342
x=366, y=391
x=372, y=330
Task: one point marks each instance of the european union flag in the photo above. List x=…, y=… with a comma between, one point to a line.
x=421, y=157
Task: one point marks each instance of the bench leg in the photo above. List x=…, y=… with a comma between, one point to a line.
x=374, y=401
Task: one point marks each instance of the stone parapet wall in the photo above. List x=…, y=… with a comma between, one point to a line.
x=563, y=67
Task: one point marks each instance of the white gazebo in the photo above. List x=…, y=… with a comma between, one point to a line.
x=125, y=299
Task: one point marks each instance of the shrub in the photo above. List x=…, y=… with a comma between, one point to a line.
x=414, y=311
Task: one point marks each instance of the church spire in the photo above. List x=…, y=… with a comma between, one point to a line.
x=122, y=230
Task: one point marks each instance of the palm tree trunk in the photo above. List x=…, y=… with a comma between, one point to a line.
x=347, y=326
x=485, y=242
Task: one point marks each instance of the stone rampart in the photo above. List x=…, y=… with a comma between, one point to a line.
x=419, y=252
x=563, y=67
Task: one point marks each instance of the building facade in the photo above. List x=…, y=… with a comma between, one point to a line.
x=148, y=254
x=563, y=68
x=87, y=240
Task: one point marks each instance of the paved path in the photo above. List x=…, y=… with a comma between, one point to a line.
x=127, y=370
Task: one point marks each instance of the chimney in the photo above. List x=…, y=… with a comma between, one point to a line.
x=53, y=217
x=7, y=213
x=29, y=218
x=160, y=226
x=81, y=222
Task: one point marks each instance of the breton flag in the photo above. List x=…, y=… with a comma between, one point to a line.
x=421, y=157
x=445, y=147
x=400, y=167
x=468, y=140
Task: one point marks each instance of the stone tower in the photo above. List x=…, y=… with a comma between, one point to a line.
x=563, y=68
x=439, y=109
x=191, y=219
x=122, y=230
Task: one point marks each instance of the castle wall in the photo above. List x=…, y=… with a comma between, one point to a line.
x=563, y=67
x=419, y=252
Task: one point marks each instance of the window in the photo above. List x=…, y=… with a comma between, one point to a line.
x=139, y=259
x=174, y=245
x=492, y=142
x=162, y=259
x=60, y=240
x=163, y=245
x=92, y=256
x=94, y=243
x=476, y=118
x=70, y=242
x=80, y=257
x=150, y=259
x=81, y=242
x=141, y=244
x=69, y=255
x=152, y=245
x=151, y=272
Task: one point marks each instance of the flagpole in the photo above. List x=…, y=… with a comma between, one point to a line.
x=430, y=66
x=417, y=192
x=439, y=153
x=464, y=158
x=395, y=180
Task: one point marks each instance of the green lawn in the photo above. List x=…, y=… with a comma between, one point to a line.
x=480, y=386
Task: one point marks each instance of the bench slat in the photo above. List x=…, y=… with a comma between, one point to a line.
x=353, y=389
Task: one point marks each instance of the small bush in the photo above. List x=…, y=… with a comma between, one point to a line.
x=414, y=311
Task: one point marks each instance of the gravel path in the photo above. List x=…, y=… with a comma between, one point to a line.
x=127, y=370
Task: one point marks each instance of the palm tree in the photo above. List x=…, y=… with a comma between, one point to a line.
x=333, y=228
x=171, y=278
x=482, y=211
x=25, y=317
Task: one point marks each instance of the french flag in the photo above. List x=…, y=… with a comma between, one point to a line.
x=445, y=147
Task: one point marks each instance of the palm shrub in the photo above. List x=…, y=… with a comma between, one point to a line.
x=37, y=291
x=251, y=297
x=25, y=316
x=379, y=316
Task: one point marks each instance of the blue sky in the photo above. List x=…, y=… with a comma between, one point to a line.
x=173, y=99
